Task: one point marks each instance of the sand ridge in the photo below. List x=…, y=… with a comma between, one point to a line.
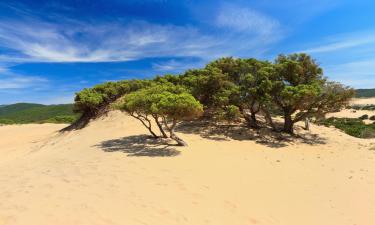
x=111, y=173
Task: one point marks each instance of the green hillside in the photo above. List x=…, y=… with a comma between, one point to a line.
x=36, y=113
x=365, y=93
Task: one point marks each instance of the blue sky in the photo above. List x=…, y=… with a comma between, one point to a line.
x=50, y=49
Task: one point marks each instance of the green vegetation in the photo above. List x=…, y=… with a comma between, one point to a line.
x=365, y=93
x=362, y=107
x=94, y=102
x=166, y=104
x=36, y=113
x=293, y=86
x=351, y=126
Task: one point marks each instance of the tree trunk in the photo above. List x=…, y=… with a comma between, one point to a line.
x=251, y=120
x=288, y=123
x=307, y=123
x=179, y=141
x=268, y=118
x=173, y=136
x=80, y=123
x=152, y=133
x=148, y=125
x=164, y=135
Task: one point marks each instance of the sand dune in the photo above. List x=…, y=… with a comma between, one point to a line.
x=110, y=173
x=363, y=101
x=352, y=113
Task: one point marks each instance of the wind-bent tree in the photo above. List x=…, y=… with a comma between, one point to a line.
x=300, y=90
x=166, y=104
x=212, y=88
x=94, y=102
x=252, y=78
x=174, y=108
x=255, y=85
x=228, y=88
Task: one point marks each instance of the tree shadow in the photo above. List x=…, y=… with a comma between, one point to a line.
x=140, y=145
x=263, y=135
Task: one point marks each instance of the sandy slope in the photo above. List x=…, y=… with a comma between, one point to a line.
x=351, y=113
x=363, y=101
x=109, y=173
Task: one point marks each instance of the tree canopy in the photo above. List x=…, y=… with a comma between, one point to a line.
x=293, y=86
x=165, y=103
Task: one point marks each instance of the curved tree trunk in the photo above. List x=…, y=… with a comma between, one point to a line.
x=80, y=123
x=307, y=123
x=250, y=119
x=173, y=136
x=179, y=141
x=268, y=118
x=156, y=118
x=288, y=123
x=146, y=122
x=85, y=118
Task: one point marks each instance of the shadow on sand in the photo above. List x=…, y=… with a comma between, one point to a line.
x=240, y=132
x=140, y=145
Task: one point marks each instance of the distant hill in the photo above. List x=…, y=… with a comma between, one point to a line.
x=36, y=113
x=365, y=93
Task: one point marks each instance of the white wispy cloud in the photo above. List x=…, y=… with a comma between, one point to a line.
x=176, y=65
x=246, y=20
x=343, y=41
x=360, y=74
x=33, y=40
x=11, y=80
x=82, y=42
x=18, y=82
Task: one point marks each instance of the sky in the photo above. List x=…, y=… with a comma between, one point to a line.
x=50, y=49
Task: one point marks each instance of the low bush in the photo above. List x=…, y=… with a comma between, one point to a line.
x=363, y=117
x=6, y=121
x=351, y=126
x=61, y=119
x=362, y=107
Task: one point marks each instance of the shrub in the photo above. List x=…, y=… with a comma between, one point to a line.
x=6, y=121
x=363, y=117
x=351, y=126
x=61, y=119
x=166, y=102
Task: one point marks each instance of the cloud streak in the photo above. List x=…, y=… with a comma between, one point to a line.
x=344, y=41
x=9, y=80
x=34, y=40
x=246, y=20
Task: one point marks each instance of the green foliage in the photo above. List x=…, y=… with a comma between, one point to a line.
x=181, y=106
x=171, y=103
x=61, y=119
x=34, y=113
x=230, y=113
x=363, y=117
x=301, y=91
x=6, y=121
x=211, y=87
x=351, y=126
x=369, y=107
x=365, y=93
x=293, y=86
x=102, y=95
x=163, y=100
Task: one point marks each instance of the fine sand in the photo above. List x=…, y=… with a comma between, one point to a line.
x=363, y=101
x=111, y=173
x=353, y=113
